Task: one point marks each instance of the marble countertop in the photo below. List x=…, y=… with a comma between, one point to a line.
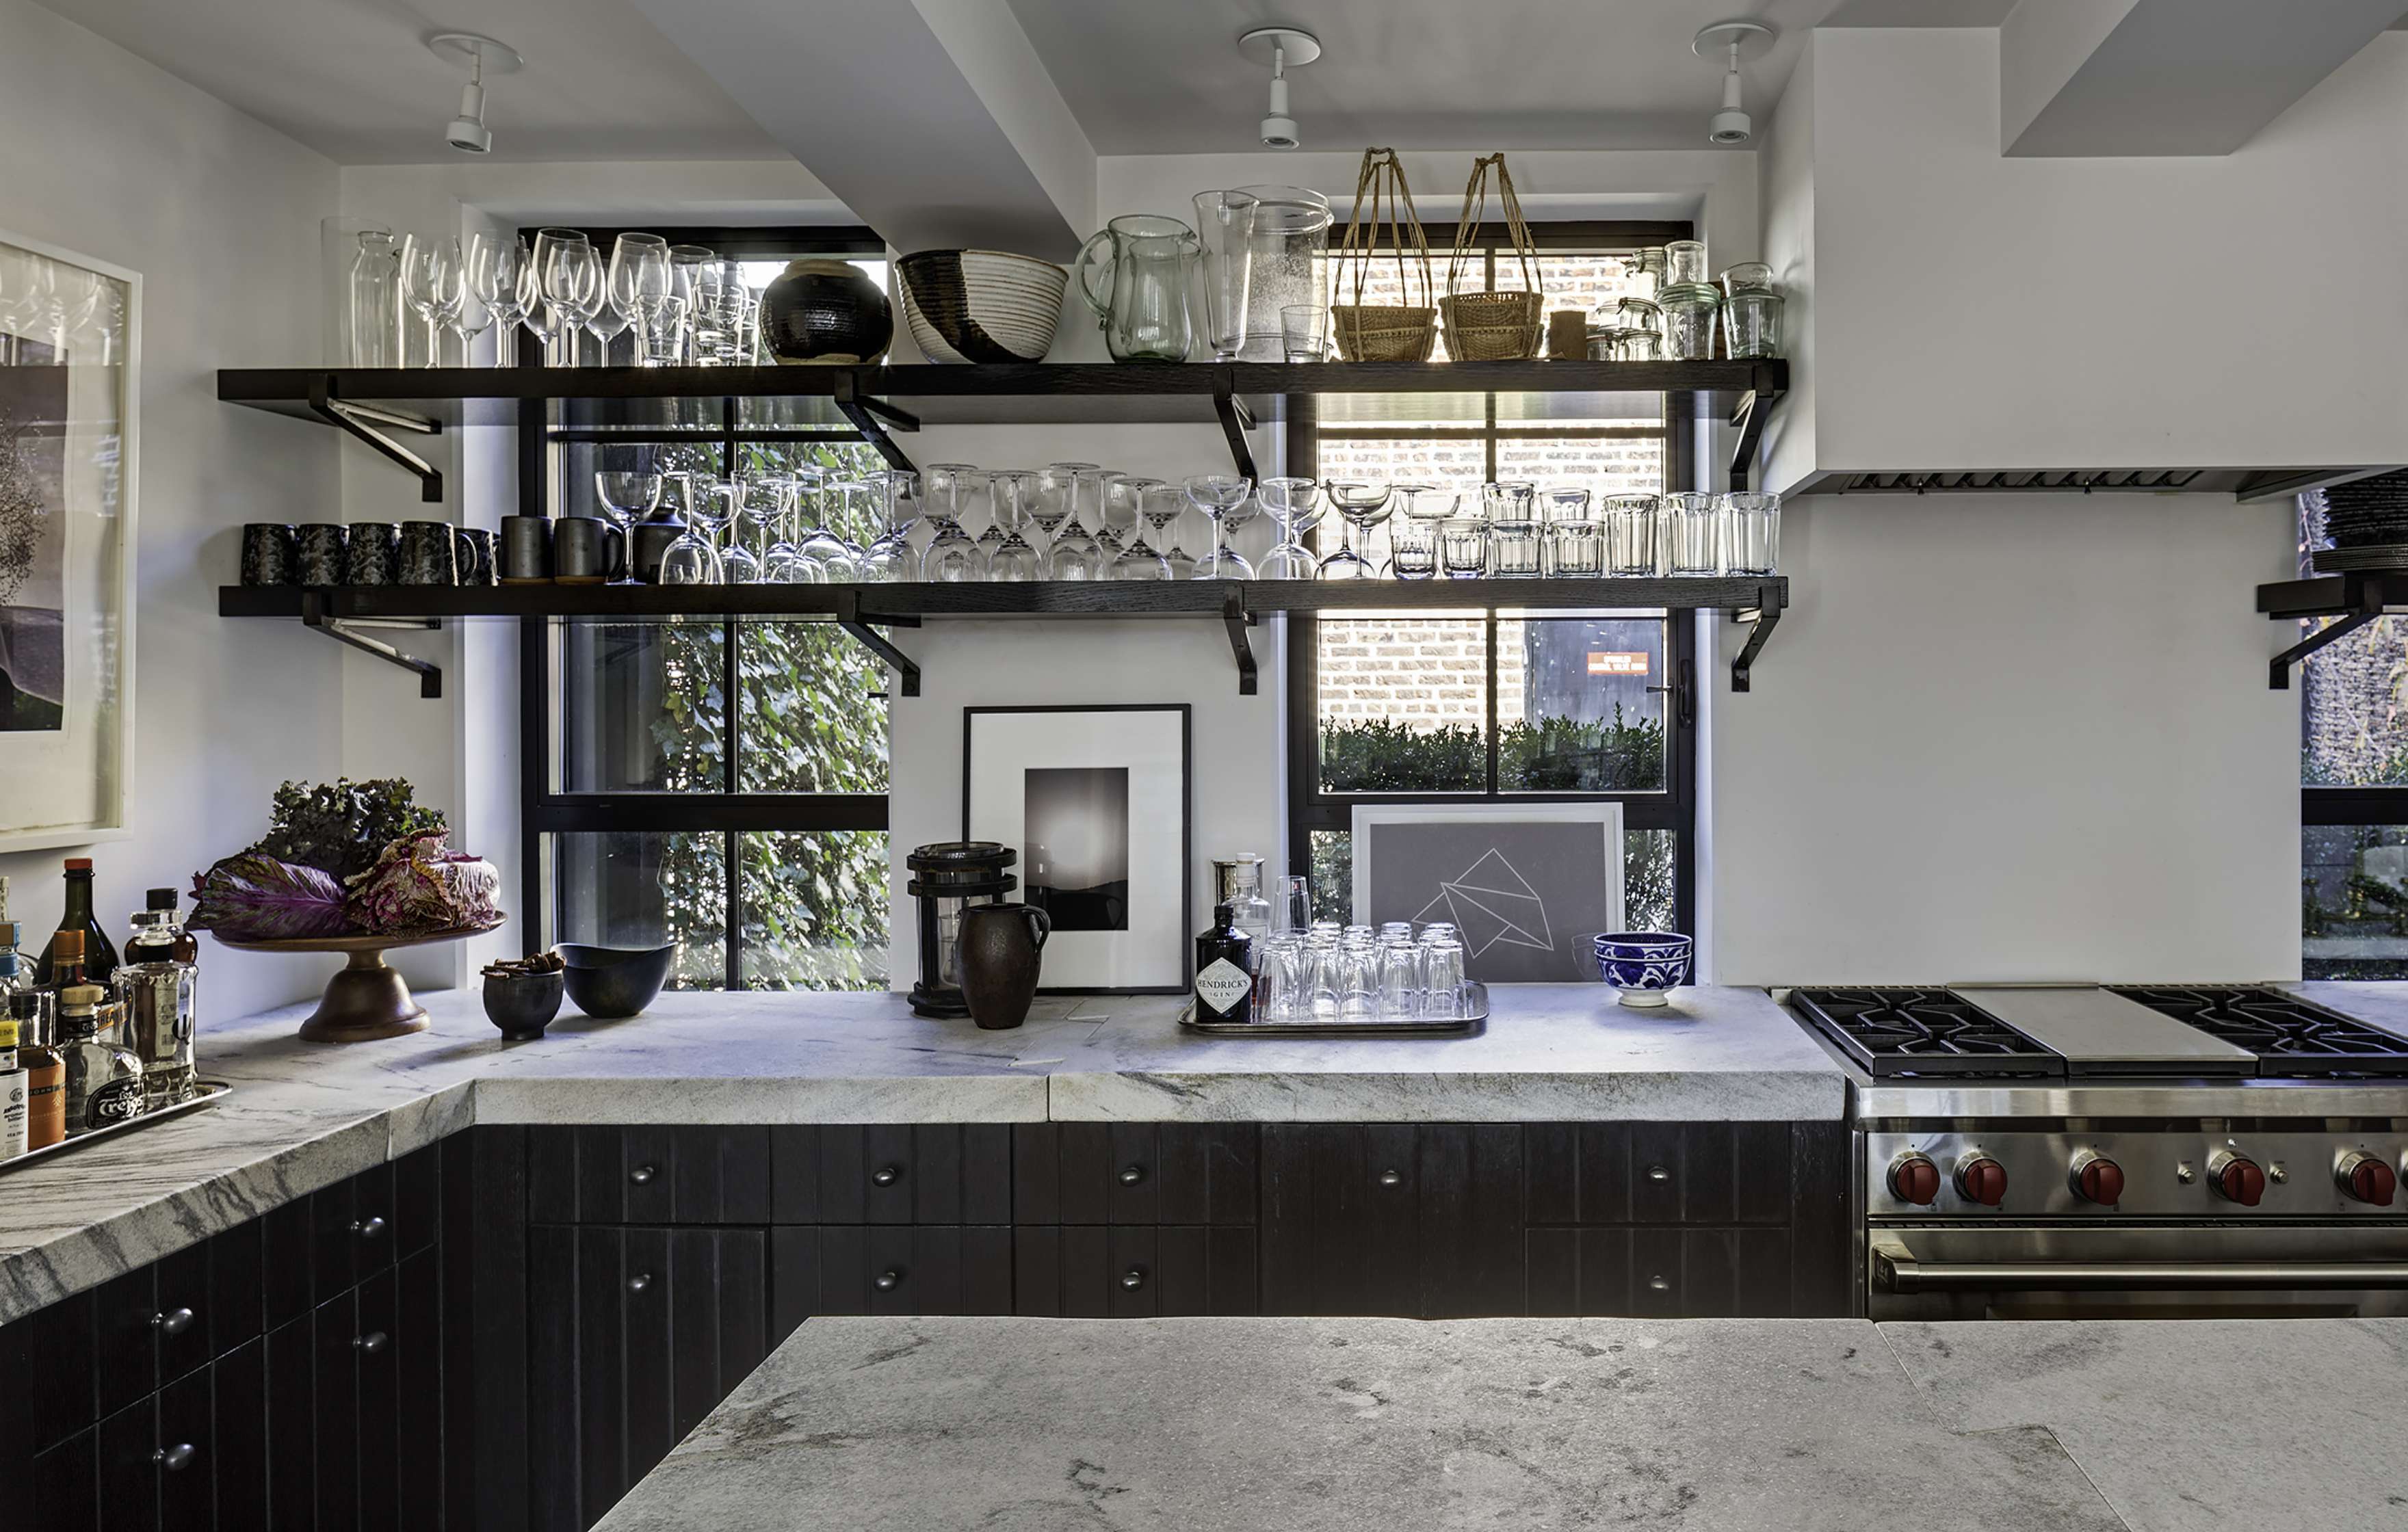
x=304, y=1115
x=1307, y=1424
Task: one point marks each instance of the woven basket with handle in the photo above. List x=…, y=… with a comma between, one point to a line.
x=1370, y=332
x=1492, y=326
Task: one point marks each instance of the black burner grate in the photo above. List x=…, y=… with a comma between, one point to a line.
x=1896, y=1032
x=2292, y=1038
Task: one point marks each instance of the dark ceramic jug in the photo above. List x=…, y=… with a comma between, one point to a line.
x=825, y=312
x=1001, y=944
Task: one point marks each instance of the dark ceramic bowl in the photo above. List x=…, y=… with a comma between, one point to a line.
x=523, y=1003
x=614, y=982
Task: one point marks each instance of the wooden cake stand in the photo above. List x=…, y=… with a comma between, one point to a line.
x=367, y=1000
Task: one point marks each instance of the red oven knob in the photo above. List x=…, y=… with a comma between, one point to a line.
x=2238, y=1180
x=1915, y=1179
x=2366, y=1178
x=1982, y=1180
x=2099, y=1181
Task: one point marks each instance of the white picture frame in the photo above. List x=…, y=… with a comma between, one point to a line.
x=69, y=782
x=1116, y=777
x=1526, y=885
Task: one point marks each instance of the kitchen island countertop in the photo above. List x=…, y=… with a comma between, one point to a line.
x=1313, y=1424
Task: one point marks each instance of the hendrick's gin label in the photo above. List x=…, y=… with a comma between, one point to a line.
x=1224, y=979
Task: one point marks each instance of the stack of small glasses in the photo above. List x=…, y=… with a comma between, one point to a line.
x=1354, y=974
x=1512, y=531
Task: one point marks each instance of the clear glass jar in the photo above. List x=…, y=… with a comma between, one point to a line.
x=1637, y=344
x=1645, y=270
x=1639, y=314
x=1752, y=324
x=1751, y=532
x=1689, y=321
x=1685, y=262
x=1747, y=277
x=1692, y=524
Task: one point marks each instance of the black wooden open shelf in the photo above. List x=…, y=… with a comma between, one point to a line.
x=861, y=610
x=2356, y=599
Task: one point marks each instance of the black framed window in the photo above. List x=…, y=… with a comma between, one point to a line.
x=720, y=784
x=1489, y=705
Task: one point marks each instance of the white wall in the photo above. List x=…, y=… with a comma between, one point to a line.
x=102, y=153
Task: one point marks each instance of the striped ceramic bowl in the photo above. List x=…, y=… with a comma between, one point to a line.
x=981, y=305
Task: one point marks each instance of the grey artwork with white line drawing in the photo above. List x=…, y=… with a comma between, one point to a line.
x=1525, y=887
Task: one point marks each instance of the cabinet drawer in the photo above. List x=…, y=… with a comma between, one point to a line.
x=1718, y=1173
x=350, y=1231
x=47, y=1377
x=879, y=1269
x=1135, y=1172
x=65, y=1484
x=1134, y=1271
x=1660, y=1272
x=652, y=1175
x=939, y=1174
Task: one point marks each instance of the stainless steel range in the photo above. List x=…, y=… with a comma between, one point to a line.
x=2073, y=1151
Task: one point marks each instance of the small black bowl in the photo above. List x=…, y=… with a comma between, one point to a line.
x=523, y=1003
x=614, y=982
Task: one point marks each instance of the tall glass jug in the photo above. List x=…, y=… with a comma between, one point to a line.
x=1139, y=290
x=1291, y=241
x=1225, y=232
x=375, y=301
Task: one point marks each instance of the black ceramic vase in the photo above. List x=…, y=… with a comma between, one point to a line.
x=1002, y=946
x=827, y=313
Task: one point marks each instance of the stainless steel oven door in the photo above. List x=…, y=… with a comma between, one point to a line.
x=2154, y=1271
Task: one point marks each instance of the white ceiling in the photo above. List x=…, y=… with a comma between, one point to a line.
x=352, y=79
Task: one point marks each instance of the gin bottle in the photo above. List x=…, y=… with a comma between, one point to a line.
x=1225, y=976
x=158, y=988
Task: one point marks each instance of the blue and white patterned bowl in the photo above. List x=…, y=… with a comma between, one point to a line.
x=1643, y=965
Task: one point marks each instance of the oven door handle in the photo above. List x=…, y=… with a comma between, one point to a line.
x=1900, y=1272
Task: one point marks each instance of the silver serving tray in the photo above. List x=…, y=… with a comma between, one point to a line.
x=211, y=1092
x=1459, y=1026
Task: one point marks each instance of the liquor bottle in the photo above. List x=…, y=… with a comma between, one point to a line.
x=104, y=1082
x=12, y=1095
x=157, y=987
x=99, y=957
x=15, y=973
x=1224, y=979
x=44, y=1071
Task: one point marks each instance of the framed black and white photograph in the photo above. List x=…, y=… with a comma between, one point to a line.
x=1525, y=886
x=1095, y=800
x=68, y=397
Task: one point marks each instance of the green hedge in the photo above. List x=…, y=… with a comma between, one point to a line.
x=1550, y=756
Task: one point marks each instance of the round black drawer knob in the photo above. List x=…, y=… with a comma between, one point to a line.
x=371, y=1342
x=173, y=1322
x=642, y=1174
x=1133, y=1278
x=177, y=1458
x=1131, y=1174
x=1392, y=1178
x=641, y=1281
x=369, y=1228
x=889, y=1280
x=886, y=1175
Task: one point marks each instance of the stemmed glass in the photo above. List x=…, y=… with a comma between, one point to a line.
x=569, y=276
x=691, y=559
x=626, y=497
x=1138, y=561
x=1013, y=491
x=432, y=284
x=728, y=500
x=893, y=494
x=692, y=277
x=952, y=557
x=1077, y=554
x=1223, y=500
x=1363, y=506
x=816, y=541
x=1413, y=534
x=1057, y=486
x=501, y=276
x=1122, y=494
x=1295, y=509
x=636, y=284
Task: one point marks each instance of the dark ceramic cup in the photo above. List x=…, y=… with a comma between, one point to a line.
x=374, y=555
x=1002, y=946
x=523, y=1003
x=322, y=548
x=429, y=555
x=268, y=554
x=476, y=555
x=648, y=543
x=526, y=549
x=586, y=551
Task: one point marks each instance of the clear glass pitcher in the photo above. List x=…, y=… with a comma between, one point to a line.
x=1140, y=290
x=1291, y=244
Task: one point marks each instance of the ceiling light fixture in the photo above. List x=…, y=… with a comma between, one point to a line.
x=1279, y=47
x=1732, y=126
x=467, y=132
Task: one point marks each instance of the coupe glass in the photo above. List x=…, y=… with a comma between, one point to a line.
x=1412, y=535
x=1220, y=497
x=626, y=497
x=501, y=277
x=1294, y=506
x=1363, y=506
x=1014, y=558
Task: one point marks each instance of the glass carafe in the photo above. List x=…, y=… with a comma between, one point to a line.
x=375, y=301
x=1139, y=290
x=1291, y=242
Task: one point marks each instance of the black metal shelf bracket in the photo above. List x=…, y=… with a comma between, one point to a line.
x=1236, y=619
x=873, y=419
x=430, y=675
x=1236, y=420
x=1761, y=619
x=849, y=617
x=2355, y=599
x=370, y=423
x=2278, y=669
x=1747, y=418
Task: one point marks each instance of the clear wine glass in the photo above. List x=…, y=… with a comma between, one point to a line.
x=691, y=559
x=815, y=539
x=430, y=284
x=1221, y=497
x=569, y=276
x=637, y=277
x=1057, y=488
x=1124, y=495
x=1294, y=506
x=1363, y=506
x=730, y=500
x=501, y=277
x=1013, y=491
x=1159, y=506
x=626, y=497
x=693, y=279
x=542, y=316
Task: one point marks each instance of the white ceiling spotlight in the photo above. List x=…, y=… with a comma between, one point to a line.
x=1279, y=47
x=467, y=132
x=1739, y=39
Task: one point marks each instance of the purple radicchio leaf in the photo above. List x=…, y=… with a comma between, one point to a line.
x=256, y=897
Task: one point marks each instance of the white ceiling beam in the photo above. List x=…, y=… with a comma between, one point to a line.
x=933, y=120
x=2098, y=78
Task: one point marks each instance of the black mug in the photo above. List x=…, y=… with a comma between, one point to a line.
x=268, y=554
x=373, y=556
x=586, y=551
x=526, y=550
x=476, y=555
x=429, y=556
x=646, y=543
x=322, y=547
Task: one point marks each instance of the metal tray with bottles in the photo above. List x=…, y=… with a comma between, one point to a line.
x=1469, y=1025
x=206, y=1092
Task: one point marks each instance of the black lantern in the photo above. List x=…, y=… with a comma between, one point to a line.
x=952, y=875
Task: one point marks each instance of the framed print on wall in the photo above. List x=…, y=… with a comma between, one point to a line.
x=1526, y=885
x=1095, y=800
x=69, y=356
